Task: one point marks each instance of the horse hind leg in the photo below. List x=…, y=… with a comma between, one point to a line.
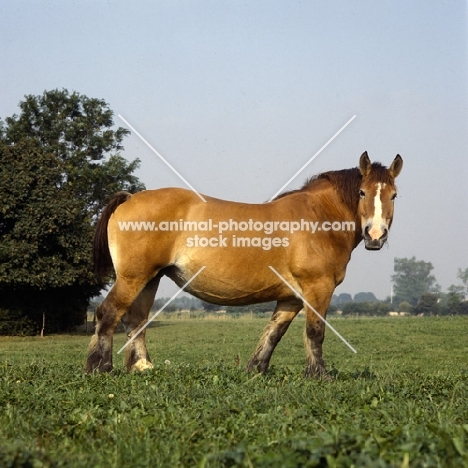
x=108, y=315
x=281, y=319
x=136, y=354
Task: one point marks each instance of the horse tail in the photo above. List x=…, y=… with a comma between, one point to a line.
x=101, y=254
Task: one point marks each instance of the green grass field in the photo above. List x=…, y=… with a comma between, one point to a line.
x=401, y=401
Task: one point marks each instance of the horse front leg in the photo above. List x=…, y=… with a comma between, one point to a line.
x=314, y=333
x=136, y=355
x=108, y=314
x=285, y=312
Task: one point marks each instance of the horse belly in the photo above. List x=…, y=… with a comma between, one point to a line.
x=230, y=278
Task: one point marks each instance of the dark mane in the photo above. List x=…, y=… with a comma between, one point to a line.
x=346, y=181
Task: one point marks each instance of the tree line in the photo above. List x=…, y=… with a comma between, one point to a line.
x=416, y=292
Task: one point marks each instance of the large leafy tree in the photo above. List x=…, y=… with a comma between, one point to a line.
x=412, y=279
x=78, y=131
x=59, y=163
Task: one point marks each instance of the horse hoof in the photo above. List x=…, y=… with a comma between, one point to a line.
x=141, y=365
x=99, y=367
x=326, y=377
x=318, y=374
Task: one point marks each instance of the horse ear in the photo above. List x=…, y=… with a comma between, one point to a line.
x=365, y=165
x=396, y=166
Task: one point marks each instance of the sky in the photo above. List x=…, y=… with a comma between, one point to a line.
x=238, y=95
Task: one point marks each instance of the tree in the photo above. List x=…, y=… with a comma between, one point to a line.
x=404, y=307
x=452, y=300
x=55, y=174
x=343, y=298
x=365, y=297
x=463, y=275
x=209, y=307
x=412, y=279
x=78, y=131
x=428, y=304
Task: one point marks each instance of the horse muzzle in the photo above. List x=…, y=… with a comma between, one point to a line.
x=373, y=243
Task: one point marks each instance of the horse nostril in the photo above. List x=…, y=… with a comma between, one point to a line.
x=366, y=232
x=384, y=233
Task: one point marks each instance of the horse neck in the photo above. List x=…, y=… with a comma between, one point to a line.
x=336, y=207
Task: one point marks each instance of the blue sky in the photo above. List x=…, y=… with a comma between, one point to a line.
x=239, y=95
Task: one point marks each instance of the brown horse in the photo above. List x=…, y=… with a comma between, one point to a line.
x=305, y=235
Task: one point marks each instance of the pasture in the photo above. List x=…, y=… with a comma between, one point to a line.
x=401, y=401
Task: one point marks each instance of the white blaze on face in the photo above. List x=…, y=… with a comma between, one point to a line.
x=376, y=230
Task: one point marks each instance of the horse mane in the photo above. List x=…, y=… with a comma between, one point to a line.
x=346, y=182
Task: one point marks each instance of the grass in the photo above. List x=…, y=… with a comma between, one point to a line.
x=401, y=401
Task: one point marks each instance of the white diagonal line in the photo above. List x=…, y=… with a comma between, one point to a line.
x=314, y=156
x=161, y=309
x=162, y=158
x=311, y=308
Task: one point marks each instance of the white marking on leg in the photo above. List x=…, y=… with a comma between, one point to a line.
x=142, y=365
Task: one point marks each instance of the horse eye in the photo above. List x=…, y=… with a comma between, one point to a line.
x=362, y=194
x=394, y=196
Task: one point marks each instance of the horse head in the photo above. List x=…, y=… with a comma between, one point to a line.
x=376, y=199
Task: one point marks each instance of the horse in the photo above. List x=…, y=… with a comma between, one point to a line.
x=293, y=250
